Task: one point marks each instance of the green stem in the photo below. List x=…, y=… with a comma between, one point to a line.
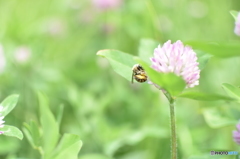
x=173, y=131
x=173, y=125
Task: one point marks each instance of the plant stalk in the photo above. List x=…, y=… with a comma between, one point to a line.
x=173, y=125
x=173, y=131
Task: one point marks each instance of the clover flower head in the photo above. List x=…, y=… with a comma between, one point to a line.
x=237, y=25
x=1, y=120
x=236, y=134
x=178, y=59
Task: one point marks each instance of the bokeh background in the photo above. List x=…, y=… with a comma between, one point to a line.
x=50, y=46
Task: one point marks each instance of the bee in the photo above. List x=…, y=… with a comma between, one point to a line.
x=139, y=74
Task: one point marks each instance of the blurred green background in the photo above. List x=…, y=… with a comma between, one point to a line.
x=50, y=46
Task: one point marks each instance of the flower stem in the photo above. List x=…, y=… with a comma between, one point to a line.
x=173, y=131
x=173, y=125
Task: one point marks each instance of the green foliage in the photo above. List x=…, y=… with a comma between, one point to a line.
x=100, y=106
x=8, y=105
x=60, y=114
x=68, y=147
x=32, y=133
x=12, y=131
x=46, y=142
x=47, y=120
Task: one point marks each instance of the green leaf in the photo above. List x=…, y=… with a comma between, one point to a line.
x=49, y=125
x=8, y=104
x=146, y=49
x=121, y=62
x=223, y=50
x=167, y=81
x=12, y=131
x=60, y=114
x=204, y=96
x=203, y=59
x=231, y=90
x=68, y=147
x=216, y=119
x=234, y=14
x=32, y=133
x=29, y=137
